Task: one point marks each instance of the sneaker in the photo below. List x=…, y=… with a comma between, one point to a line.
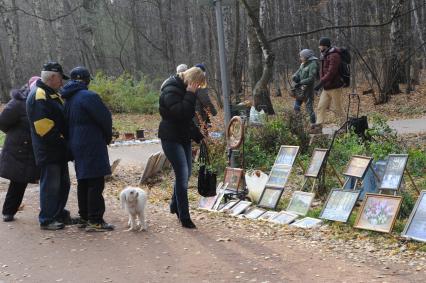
x=81, y=223
x=99, y=227
x=8, y=218
x=53, y=226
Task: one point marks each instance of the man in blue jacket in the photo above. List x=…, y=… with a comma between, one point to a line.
x=48, y=134
x=90, y=131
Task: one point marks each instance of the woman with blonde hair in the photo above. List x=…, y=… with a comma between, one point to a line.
x=176, y=130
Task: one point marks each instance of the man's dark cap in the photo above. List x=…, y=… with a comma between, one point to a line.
x=80, y=73
x=55, y=67
x=325, y=41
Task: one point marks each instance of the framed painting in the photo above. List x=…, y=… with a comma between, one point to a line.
x=416, y=225
x=378, y=212
x=240, y=207
x=207, y=202
x=317, y=161
x=219, y=196
x=287, y=155
x=233, y=178
x=254, y=213
x=394, y=171
x=268, y=215
x=307, y=223
x=300, y=202
x=235, y=132
x=339, y=205
x=357, y=166
x=284, y=217
x=270, y=197
x=278, y=176
x=230, y=204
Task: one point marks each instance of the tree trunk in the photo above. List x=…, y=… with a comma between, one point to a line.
x=393, y=64
x=59, y=29
x=137, y=44
x=4, y=79
x=261, y=92
x=11, y=24
x=44, y=29
x=236, y=69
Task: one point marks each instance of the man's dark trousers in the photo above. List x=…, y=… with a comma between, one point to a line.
x=91, y=203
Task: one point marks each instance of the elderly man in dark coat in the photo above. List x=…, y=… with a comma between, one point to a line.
x=17, y=162
x=90, y=131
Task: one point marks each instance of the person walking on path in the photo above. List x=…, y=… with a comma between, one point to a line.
x=177, y=128
x=331, y=83
x=48, y=134
x=89, y=132
x=17, y=162
x=305, y=78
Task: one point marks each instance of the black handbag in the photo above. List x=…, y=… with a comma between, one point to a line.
x=207, y=178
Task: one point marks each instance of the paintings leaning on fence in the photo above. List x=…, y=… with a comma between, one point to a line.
x=233, y=178
x=230, y=204
x=378, y=212
x=284, y=217
x=416, y=224
x=278, y=176
x=316, y=163
x=357, y=166
x=286, y=155
x=270, y=197
x=300, y=202
x=339, y=205
x=394, y=171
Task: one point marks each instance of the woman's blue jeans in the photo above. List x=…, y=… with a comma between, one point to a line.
x=180, y=156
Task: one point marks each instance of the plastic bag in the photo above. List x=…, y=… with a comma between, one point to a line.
x=257, y=117
x=255, y=181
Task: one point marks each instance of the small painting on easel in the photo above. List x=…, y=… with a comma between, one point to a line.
x=233, y=178
x=394, y=171
x=318, y=157
x=357, y=166
x=278, y=176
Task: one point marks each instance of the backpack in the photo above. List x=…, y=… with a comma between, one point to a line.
x=345, y=66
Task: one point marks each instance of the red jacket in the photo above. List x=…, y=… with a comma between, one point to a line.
x=329, y=72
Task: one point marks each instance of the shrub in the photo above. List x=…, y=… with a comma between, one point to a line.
x=125, y=95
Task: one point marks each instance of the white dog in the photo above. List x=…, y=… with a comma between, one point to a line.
x=133, y=200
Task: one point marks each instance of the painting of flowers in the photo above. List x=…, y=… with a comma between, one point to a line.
x=378, y=212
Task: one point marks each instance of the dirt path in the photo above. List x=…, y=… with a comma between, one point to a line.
x=169, y=253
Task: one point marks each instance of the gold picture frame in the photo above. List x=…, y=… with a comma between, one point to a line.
x=378, y=212
x=287, y=155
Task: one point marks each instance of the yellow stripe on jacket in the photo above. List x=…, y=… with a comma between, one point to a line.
x=43, y=126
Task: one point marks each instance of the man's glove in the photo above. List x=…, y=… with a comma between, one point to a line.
x=318, y=86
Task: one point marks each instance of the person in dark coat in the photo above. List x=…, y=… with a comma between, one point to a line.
x=176, y=130
x=17, y=162
x=48, y=134
x=89, y=132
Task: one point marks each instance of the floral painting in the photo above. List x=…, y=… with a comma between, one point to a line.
x=378, y=212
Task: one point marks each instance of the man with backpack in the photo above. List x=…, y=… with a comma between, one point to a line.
x=332, y=83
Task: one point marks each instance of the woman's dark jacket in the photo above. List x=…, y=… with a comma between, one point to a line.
x=89, y=130
x=17, y=162
x=177, y=108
